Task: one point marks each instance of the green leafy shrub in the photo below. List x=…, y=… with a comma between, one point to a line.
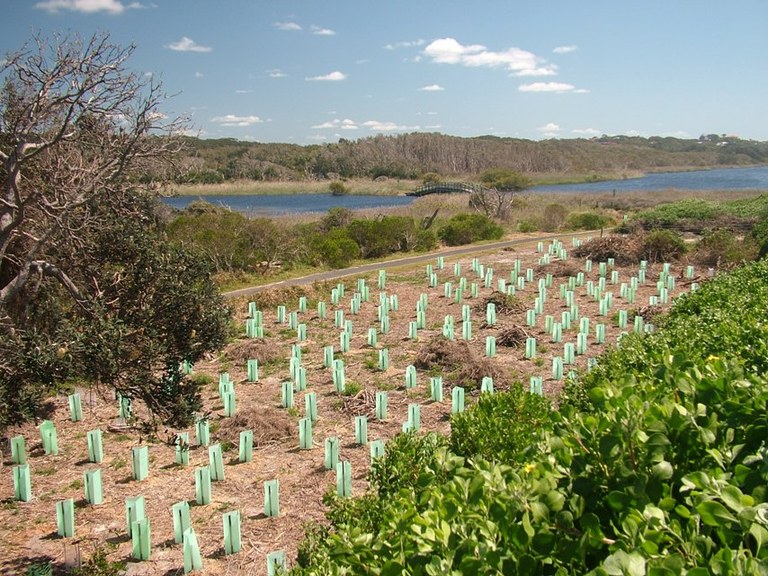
x=554, y=217
x=587, y=221
x=723, y=247
x=672, y=213
x=502, y=427
x=663, y=246
x=338, y=188
x=526, y=226
x=335, y=248
x=468, y=228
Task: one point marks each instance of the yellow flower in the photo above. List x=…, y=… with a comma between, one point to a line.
x=528, y=468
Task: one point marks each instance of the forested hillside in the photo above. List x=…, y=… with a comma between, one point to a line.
x=410, y=156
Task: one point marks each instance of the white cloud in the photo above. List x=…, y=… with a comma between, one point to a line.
x=337, y=124
x=332, y=77
x=432, y=88
x=198, y=74
x=378, y=126
x=565, y=49
x=520, y=62
x=276, y=73
x=318, y=31
x=86, y=6
x=234, y=120
x=406, y=44
x=550, y=127
x=287, y=26
x=188, y=45
x=587, y=132
x=559, y=87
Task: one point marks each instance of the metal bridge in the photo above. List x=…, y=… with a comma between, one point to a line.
x=448, y=188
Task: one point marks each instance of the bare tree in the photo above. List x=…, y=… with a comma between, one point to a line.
x=76, y=126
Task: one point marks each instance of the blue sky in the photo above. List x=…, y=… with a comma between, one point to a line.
x=314, y=71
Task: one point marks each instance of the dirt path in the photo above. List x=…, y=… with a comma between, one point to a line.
x=408, y=261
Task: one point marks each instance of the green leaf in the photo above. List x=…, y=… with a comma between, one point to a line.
x=760, y=535
x=622, y=564
x=663, y=470
x=618, y=500
x=714, y=514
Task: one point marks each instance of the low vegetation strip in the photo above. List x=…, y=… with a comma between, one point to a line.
x=655, y=463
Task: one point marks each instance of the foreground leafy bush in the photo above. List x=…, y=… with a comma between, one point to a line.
x=468, y=228
x=476, y=432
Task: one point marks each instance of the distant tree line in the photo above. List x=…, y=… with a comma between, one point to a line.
x=411, y=156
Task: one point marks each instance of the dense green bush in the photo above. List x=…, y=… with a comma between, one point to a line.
x=468, y=228
x=476, y=432
x=667, y=214
x=663, y=246
x=335, y=248
x=723, y=248
x=338, y=188
x=587, y=221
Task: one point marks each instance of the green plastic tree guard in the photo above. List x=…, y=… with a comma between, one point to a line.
x=490, y=346
x=202, y=432
x=536, y=385
x=141, y=537
x=95, y=446
x=182, y=448
x=203, y=485
x=331, y=453
x=383, y=359
x=410, y=376
x=361, y=430
x=252, y=367
x=530, y=347
x=65, y=518
x=376, y=449
x=276, y=563
x=75, y=407
x=193, y=560
x=232, y=533
x=125, y=407
x=381, y=405
x=18, y=450
x=328, y=356
x=486, y=385
x=302, y=303
x=134, y=511
x=181, y=520
x=245, y=452
x=557, y=368
x=287, y=396
x=436, y=388
x=414, y=417
x=140, y=462
x=305, y=433
x=92, y=487
x=344, y=479
x=22, y=483
x=272, y=498
x=49, y=437
x=457, y=400
x=310, y=406
x=230, y=403
x=216, y=462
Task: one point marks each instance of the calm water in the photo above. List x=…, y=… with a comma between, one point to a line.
x=266, y=204
x=754, y=178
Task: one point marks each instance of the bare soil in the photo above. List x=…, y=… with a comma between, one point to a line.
x=28, y=529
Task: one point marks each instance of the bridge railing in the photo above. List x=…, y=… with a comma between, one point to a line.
x=448, y=188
